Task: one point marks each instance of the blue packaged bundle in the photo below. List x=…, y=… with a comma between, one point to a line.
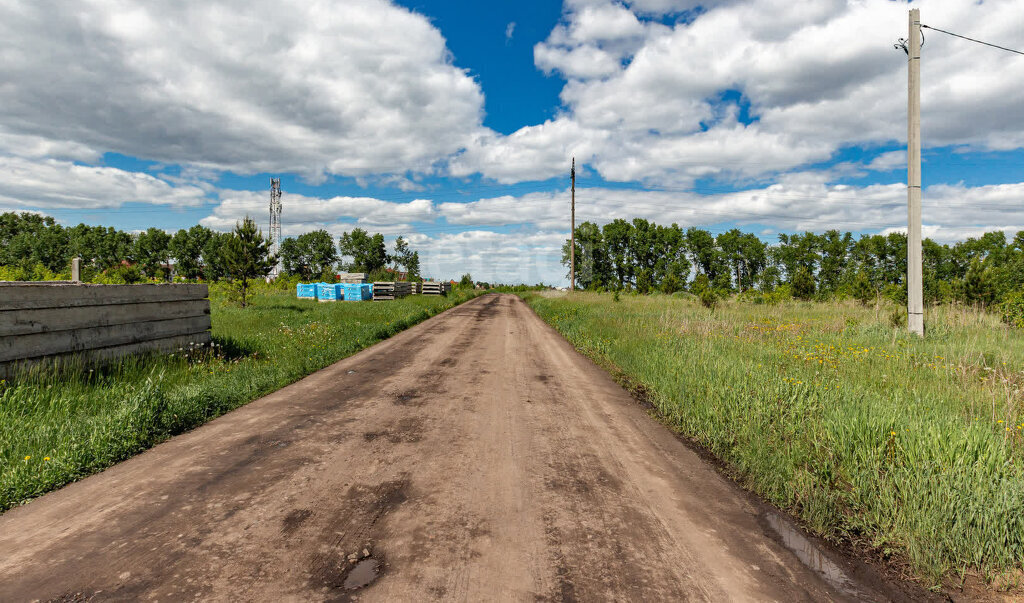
x=307, y=290
x=357, y=292
x=329, y=292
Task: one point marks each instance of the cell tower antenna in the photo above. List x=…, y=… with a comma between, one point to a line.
x=275, y=222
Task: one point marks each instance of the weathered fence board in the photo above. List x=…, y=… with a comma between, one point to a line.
x=33, y=345
x=167, y=344
x=43, y=322
x=23, y=296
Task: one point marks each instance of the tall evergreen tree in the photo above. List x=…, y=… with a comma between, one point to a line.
x=247, y=257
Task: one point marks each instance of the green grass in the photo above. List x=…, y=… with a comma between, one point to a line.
x=909, y=449
x=56, y=427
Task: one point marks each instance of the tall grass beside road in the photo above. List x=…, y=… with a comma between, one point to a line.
x=56, y=427
x=909, y=449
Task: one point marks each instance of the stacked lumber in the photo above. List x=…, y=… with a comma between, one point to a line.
x=417, y=288
x=352, y=277
x=435, y=288
x=391, y=290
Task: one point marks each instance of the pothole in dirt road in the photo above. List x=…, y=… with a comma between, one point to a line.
x=810, y=555
x=363, y=574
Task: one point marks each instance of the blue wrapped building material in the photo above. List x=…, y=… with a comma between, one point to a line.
x=357, y=291
x=329, y=292
x=306, y=290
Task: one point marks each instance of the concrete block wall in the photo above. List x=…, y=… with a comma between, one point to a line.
x=54, y=322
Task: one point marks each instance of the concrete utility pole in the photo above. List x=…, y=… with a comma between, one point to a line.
x=915, y=294
x=572, y=231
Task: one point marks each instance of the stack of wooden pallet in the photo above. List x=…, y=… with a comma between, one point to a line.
x=434, y=288
x=352, y=277
x=391, y=290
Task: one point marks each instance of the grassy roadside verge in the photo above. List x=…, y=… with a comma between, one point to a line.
x=56, y=428
x=911, y=450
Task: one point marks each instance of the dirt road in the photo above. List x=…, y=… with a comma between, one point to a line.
x=475, y=457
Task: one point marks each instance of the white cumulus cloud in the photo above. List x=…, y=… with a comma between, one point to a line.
x=658, y=103
x=57, y=184
x=354, y=88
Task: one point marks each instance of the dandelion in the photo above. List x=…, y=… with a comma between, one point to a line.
x=28, y=457
x=46, y=458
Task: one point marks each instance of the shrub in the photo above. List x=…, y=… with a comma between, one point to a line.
x=120, y=274
x=779, y=294
x=978, y=284
x=671, y=284
x=1012, y=309
x=37, y=272
x=895, y=293
x=862, y=289
x=751, y=296
x=708, y=298
x=898, y=318
x=700, y=284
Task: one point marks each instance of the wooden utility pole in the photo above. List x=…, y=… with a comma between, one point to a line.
x=915, y=294
x=572, y=231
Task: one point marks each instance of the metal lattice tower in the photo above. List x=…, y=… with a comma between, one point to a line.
x=275, y=219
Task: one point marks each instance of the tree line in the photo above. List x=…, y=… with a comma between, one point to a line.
x=643, y=256
x=36, y=247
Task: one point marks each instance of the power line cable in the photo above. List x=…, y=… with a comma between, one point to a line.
x=972, y=39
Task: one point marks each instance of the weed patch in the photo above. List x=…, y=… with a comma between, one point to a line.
x=909, y=449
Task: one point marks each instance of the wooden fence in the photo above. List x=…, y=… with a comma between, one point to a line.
x=43, y=322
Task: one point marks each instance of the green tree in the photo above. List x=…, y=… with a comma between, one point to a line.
x=700, y=284
x=769, y=278
x=593, y=269
x=187, y=248
x=706, y=257
x=730, y=244
x=616, y=235
x=247, y=257
x=152, y=251
x=803, y=283
x=311, y=254
x=367, y=252
x=29, y=239
x=835, y=251
x=401, y=252
x=115, y=248
x=405, y=257
x=214, y=262
x=671, y=284
x=862, y=290
x=412, y=265
x=978, y=286
x=798, y=251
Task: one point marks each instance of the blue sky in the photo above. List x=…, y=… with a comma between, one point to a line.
x=453, y=123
